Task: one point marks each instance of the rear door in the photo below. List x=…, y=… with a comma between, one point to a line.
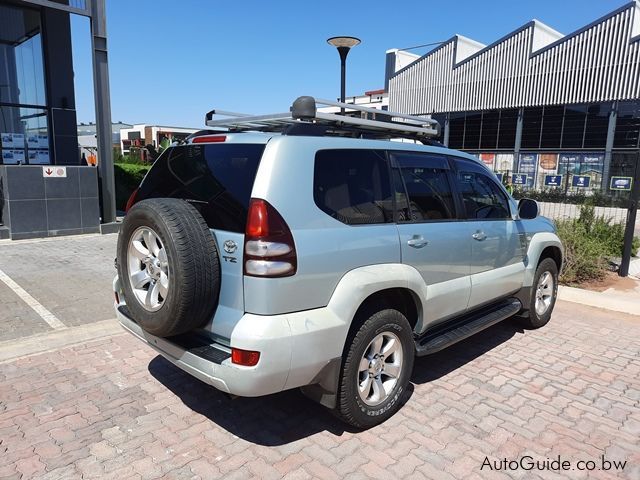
x=497, y=252
x=432, y=239
x=217, y=179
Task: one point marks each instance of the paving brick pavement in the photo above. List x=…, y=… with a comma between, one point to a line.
x=70, y=276
x=112, y=408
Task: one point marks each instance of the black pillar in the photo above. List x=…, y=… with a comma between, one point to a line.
x=63, y=134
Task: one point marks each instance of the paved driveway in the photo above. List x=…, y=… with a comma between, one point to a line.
x=107, y=406
x=112, y=408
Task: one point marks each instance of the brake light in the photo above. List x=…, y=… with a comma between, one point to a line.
x=209, y=139
x=269, y=250
x=131, y=201
x=246, y=358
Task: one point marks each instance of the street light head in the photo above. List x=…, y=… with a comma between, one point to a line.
x=344, y=42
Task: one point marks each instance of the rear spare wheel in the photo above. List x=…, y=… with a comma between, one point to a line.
x=168, y=266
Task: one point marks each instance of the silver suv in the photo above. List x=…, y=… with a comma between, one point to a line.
x=306, y=255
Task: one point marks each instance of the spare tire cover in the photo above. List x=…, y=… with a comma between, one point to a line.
x=168, y=266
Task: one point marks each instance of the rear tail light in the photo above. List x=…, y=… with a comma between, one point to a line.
x=131, y=201
x=246, y=358
x=269, y=250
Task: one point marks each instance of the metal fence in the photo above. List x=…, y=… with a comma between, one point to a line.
x=614, y=197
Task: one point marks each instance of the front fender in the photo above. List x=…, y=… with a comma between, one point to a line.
x=537, y=244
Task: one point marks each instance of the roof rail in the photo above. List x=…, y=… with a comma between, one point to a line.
x=305, y=118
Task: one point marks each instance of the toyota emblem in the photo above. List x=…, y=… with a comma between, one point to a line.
x=230, y=246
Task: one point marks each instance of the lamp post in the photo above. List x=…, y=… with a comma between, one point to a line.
x=343, y=44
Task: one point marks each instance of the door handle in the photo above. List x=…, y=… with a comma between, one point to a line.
x=418, y=241
x=479, y=235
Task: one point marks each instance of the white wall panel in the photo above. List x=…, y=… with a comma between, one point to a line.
x=596, y=63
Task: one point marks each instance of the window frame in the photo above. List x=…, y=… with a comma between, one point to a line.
x=450, y=182
x=455, y=161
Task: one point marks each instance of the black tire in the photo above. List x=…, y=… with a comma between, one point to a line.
x=192, y=262
x=351, y=408
x=532, y=319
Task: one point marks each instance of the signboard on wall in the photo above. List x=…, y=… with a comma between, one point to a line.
x=11, y=140
x=489, y=159
x=621, y=183
x=504, y=162
x=520, y=179
x=553, y=180
x=547, y=166
x=580, y=181
x=527, y=165
x=568, y=163
x=54, y=172
x=39, y=157
x=593, y=165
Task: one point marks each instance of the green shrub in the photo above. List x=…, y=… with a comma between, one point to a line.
x=584, y=256
x=130, y=159
x=127, y=178
x=610, y=235
x=589, y=241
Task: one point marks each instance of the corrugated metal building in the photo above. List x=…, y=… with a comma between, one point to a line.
x=535, y=101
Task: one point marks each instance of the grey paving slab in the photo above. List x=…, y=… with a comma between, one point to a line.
x=16, y=318
x=69, y=276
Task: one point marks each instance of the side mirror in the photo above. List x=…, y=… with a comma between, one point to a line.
x=528, y=209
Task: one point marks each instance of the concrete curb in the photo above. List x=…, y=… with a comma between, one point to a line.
x=606, y=300
x=45, y=342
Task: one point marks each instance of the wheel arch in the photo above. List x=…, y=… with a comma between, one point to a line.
x=359, y=294
x=553, y=252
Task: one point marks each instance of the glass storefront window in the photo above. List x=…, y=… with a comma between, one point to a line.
x=472, y=130
x=21, y=64
x=551, y=127
x=24, y=136
x=507, y=129
x=489, y=135
x=595, y=134
x=456, y=130
x=574, y=121
x=531, y=127
x=627, y=125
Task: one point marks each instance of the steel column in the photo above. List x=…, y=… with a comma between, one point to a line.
x=611, y=130
x=103, y=111
x=631, y=221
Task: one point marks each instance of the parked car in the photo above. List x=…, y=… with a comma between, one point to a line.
x=305, y=255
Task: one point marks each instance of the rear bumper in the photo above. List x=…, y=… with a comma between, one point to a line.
x=294, y=349
x=265, y=378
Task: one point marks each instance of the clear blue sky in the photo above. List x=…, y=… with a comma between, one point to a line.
x=171, y=61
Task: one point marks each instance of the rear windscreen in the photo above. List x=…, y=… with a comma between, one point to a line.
x=217, y=179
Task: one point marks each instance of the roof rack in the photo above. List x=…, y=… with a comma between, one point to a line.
x=305, y=118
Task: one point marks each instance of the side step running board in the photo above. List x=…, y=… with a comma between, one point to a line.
x=442, y=336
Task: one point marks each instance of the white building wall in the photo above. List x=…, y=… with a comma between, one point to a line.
x=533, y=65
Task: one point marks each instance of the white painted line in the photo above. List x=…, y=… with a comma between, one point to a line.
x=37, y=307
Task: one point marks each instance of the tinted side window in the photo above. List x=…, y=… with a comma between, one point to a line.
x=217, y=178
x=427, y=184
x=353, y=186
x=481, y=195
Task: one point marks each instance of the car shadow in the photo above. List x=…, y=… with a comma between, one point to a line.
x=289, y=416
